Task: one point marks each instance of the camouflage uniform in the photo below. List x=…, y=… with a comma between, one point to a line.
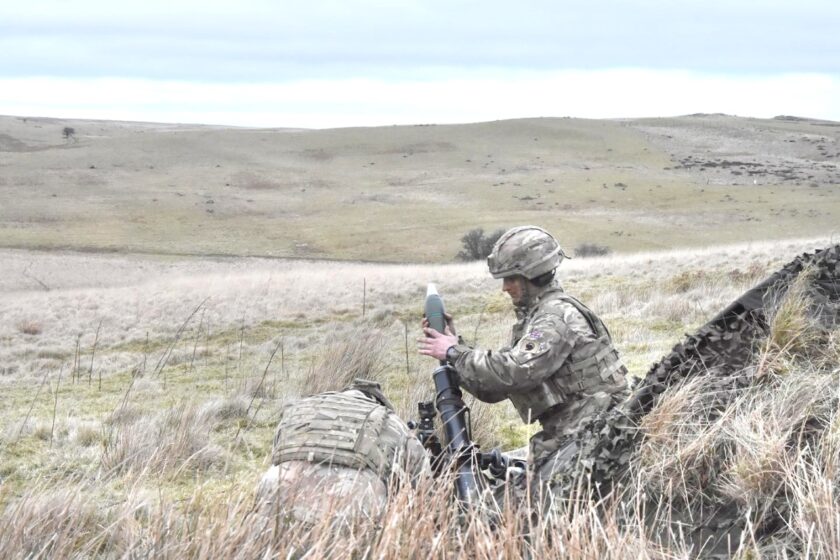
x=561, y=367
x=335, y=454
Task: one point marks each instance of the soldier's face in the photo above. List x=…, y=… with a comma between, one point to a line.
x=514, y=286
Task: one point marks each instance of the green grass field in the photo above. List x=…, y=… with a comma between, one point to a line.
x=408, y=193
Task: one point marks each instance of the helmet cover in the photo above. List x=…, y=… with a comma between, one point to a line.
x=529, y=251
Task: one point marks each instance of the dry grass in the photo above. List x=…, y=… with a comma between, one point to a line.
x=358, y=354
x=767, y=450
x=54, y=523
x=164, y=464
x=30, y=327
x=416, y=523
x=139, y=298
x=792, y=328
x=177, y=440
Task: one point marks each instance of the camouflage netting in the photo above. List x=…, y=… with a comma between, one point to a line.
x=723, y=358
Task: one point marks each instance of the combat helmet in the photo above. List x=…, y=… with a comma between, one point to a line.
x=529, y=251
x=372, y=389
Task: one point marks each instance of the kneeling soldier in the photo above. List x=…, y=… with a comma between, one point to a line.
x=560, y=369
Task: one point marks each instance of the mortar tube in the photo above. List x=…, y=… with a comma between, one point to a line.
x=453, y=411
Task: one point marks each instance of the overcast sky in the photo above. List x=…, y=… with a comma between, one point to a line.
x=364, y=62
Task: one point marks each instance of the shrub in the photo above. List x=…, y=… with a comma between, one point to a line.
x=591, y=250
x=477, y=245
x=88, y=435
x=30, y=327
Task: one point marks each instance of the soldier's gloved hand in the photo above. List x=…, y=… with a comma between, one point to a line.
x=435, y=344
x=450, y=324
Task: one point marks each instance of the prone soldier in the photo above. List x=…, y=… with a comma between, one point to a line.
x=337, y=454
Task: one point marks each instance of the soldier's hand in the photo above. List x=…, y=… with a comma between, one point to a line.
x=435, y=344
x=450, y=324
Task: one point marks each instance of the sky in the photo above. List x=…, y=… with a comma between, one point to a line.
x=322, y=64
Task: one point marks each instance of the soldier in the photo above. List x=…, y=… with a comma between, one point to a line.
x=561, y=367
x=336, y=453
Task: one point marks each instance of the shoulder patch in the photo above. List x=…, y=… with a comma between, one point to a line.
x=533, y=342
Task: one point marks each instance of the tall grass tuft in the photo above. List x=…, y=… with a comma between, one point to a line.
x=344, y=358
x=792, y=328
x=174, y=441
x=65, y=522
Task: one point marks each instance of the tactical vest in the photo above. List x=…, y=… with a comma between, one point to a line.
x=336, y=429
x=591, y=367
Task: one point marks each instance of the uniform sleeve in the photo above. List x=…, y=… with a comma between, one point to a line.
x=406, y=449
x=416, y=459
x=491, y=376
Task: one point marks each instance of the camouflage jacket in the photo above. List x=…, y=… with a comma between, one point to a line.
x=561, y=367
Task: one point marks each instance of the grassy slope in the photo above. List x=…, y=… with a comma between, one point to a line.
x=152, y=460
x=380, y=193
x=648, y=300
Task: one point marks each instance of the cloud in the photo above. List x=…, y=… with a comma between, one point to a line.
x=478, y=96
x=256, y=40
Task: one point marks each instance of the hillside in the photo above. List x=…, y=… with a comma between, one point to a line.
x=407, y=193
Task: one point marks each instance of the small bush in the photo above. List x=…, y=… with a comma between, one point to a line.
x=687, y=280
x=88, y=435
x=30, y=327
x=124, y=415
x=591, y=250
x=477, y=245
x=42, y=431
x=226, y=409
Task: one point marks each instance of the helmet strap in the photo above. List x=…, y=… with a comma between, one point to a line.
x=533, y=290
x=543, y=280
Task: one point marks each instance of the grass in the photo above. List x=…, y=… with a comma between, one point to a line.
x=277, y=193
x=165, y=462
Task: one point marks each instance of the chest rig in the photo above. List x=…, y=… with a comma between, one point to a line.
x=592, y=366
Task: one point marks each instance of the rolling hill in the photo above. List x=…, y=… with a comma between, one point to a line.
x=408, y=193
